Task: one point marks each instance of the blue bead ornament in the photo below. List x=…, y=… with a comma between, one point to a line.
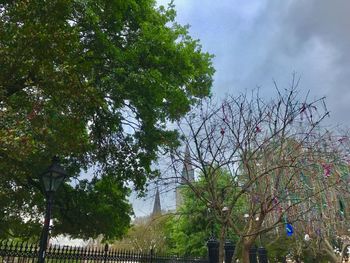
x=289, y=230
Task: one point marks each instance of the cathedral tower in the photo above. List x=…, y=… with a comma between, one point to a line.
x=157, y=209
x=187, y=176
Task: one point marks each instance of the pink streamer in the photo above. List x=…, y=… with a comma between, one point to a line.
x=327, y=169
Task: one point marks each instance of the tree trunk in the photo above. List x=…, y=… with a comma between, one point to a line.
x=247, y=243
x=221, y=245
x=245, y=252
x=329, y=250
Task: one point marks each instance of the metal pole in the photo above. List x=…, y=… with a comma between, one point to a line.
x=151, y=255
x=105, y=254
x=45, y=231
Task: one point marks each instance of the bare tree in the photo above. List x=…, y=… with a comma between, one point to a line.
x=324, y=230
x=271, y=149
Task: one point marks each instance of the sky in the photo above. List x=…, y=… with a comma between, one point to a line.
x=257, y=41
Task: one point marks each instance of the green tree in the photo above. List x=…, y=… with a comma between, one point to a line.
x=196, y=219
x=190, y=227
x=147, y=233
x=94, y=82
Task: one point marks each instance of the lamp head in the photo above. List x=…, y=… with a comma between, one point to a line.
x=53, y=177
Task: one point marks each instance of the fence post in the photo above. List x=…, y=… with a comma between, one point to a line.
x=252, y=255
x=229, y=251
x=262, y=254
x=151, y=255
x=213, y=250
x=105, y=254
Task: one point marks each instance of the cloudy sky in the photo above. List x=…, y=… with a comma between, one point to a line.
x=256, y=41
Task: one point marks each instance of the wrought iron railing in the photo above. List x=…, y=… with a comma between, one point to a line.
x=23, y=252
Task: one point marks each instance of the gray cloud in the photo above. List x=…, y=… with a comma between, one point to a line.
x=314, y=38
x=257, y=41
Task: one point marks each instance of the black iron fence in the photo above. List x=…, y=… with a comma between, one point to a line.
x=23, y=252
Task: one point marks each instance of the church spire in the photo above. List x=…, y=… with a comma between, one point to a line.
x=156, y=207
x=187, y=171
x=187, y=176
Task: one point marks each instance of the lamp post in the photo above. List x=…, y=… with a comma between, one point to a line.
x=51, y=180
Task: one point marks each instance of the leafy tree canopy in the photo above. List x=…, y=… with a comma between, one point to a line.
x=147, y=233
x=189, y=230
x=93, y=82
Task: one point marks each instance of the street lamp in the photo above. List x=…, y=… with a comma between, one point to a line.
x=51, y=179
